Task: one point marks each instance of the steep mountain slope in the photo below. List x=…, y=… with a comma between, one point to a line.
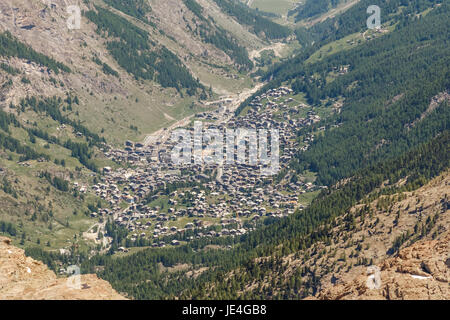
x=23, y=278
x=419, y=272
x=354, y=19
x=85, y=53
x=199, y=32
x=46, y=160
x=371, y=233
x=373, y=120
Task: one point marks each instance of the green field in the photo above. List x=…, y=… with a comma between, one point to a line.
x=306, y=198
x=280, y=7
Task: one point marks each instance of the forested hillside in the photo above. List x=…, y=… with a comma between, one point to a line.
x=37, y=165
x=124, y=52
x=70, y=96
x=209, y=32
x=396, y=13
x=388, y=92
x=354, y=19
x=10, y=47
x=140, y=56
x=390, y=85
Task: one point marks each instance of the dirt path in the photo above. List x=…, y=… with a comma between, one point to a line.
x=242, y=96
x=168, y=117
x=364, y=35
x=276, y=47
x=164, y=133
x=91, y=235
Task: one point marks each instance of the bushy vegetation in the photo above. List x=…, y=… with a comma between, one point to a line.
x=7, y=187
x=9, y=143
x=105, y=67
x=55, y=260
x=81, y=152
x=195, y=8
x=8, y=69
x=8, y=228
x=51, y=107
x=383, y=117
x=57, y=182
x=11, y=47
x=135, y=8
x=6, y=119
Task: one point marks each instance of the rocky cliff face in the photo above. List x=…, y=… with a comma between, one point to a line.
x=22, y=277
x=421, y=271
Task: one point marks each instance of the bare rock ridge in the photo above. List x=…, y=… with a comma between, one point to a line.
x=23, y=278
x=420, y=271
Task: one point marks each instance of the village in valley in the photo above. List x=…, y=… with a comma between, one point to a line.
x=160, y=203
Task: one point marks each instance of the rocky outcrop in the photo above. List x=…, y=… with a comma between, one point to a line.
x=23, y=278
x=421, y=271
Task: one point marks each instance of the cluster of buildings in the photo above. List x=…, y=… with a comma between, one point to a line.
x=211, y=200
